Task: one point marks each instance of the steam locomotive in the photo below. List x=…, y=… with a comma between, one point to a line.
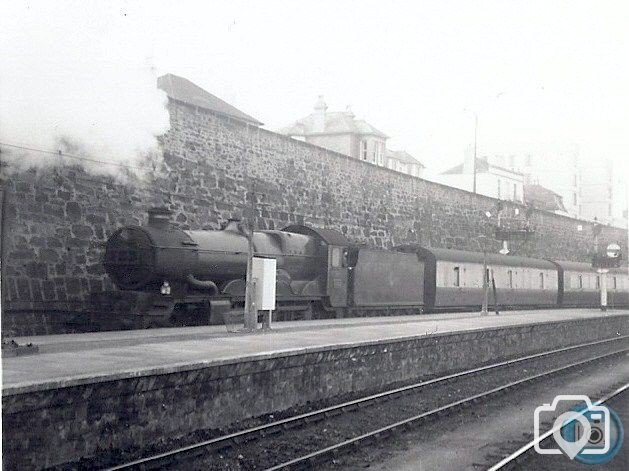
x=198, y=276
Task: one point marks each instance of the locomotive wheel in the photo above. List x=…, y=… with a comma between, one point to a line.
x=308, y=312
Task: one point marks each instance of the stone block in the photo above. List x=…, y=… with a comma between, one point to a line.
x=73, y=211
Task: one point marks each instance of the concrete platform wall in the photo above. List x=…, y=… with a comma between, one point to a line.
x=49, y=427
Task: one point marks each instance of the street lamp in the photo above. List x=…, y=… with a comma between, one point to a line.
x=475, y=141
x=251, y=311
x=484, y=307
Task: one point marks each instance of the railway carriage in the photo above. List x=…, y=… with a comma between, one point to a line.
x=580, y=285
x=454, y=279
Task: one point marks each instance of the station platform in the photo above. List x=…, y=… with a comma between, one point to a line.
x=73, y=359
x=84, y=393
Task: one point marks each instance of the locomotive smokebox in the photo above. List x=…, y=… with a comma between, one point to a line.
x=160, y=217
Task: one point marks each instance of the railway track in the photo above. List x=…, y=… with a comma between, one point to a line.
x=236, y=440
x=522, y=453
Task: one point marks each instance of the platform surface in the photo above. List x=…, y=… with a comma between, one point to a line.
x=71, y=359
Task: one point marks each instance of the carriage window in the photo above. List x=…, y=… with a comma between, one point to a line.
x=541, y=281
x=580, y=281
x=510, y=272
x=615, y=286
x=457, y=276
x=598, y=282
x=336, y=257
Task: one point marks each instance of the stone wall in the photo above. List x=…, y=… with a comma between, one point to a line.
x=56, y=219
x=53, y=426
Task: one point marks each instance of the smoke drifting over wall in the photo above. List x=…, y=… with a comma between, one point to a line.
x=77, y=77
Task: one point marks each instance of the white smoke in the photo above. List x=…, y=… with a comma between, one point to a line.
x=76, y=76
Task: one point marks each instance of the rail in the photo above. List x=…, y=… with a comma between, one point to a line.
x=272, y=427
x=516, y=455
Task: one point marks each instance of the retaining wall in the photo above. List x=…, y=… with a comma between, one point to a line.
x=57, y=219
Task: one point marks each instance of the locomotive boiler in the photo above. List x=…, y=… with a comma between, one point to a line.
x=201, y=273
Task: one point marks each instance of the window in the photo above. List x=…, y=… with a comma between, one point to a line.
x=457, y=276
x=498, y=188
x=615, y=286
x=363, y=150
x=510, y=273
x=336, y=257
x=541, y=280
x=515, y=192
x=598, y=282
x=581, y=281
x=487, y=275
x=374, y=152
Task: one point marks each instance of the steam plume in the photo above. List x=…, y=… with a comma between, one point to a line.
x=77, y=77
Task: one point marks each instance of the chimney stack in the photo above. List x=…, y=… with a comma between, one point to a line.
x=233, y=225
x=159, y=217
x=319, y=114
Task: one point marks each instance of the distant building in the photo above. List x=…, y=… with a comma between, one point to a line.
x=542, y=198
x=183, y=90
x=554, y=167
x=402, y=161
x=341, y=132
x=603, y=193
x=491, y=180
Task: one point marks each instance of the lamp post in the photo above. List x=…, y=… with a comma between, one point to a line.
x=484, y=311
x=475, y=141
x=485, y=305
x=251, y=314
x=251, y=311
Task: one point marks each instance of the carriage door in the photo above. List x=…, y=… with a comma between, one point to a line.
x=337, y=276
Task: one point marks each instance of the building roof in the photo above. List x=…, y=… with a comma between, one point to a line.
x=542, y=198
x=403, y=157
x=336, y=122
x=481, y=166
x=181, y=89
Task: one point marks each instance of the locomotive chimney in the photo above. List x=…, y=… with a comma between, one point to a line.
x=159, y=217
x=233, y=225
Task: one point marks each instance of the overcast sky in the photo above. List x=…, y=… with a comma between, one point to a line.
x=533, y=71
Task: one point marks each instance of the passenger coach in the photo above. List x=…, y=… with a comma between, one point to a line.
x=580, y=285
x=453, y=279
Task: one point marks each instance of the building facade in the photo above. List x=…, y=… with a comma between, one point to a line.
x=341, y=132
x=402, y=161
x=554, y=167
x=491, y=180
x=603, y=193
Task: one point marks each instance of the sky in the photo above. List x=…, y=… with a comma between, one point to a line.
x=531, y=71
